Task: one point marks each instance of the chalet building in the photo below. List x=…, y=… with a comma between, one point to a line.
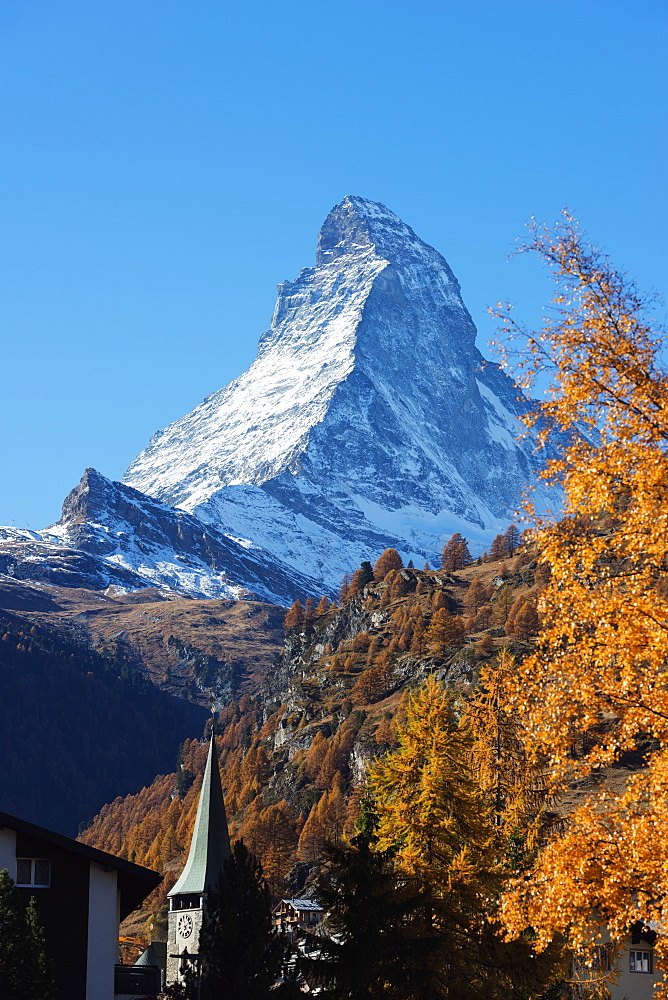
x=294, y=915
x=82, y=894
x=635, y=975
x=209, y=849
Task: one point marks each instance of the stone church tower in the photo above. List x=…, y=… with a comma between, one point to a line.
x=209, y=849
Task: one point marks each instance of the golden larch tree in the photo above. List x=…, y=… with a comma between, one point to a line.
x=437, y=819
x=597, y=685
x=386, y=561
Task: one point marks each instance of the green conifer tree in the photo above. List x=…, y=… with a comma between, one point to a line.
x=25, y=971
x=242, y=955
x=376, y=940
x=38, y=974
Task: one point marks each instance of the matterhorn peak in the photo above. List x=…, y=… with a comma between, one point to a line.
x=368, y=419
x=357, y=225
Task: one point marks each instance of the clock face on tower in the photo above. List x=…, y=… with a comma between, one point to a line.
x=185, y=925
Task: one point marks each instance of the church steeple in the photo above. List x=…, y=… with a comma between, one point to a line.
x=210, y=844
x=209, y=849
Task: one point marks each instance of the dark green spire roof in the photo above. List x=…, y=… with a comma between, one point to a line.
x=155, y=954
x=210, y=846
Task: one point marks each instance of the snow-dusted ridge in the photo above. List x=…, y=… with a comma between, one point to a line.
x=111, y=535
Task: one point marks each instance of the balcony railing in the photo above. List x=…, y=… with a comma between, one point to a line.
x=137, y=980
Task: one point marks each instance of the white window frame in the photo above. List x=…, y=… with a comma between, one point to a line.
x=645, y=958
x=32, y=884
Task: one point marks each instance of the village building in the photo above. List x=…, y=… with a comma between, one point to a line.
x=294, y=916
x=637, y=976
x=81, y=895
x=196, y=888
x=147, y=976
x=634, y=975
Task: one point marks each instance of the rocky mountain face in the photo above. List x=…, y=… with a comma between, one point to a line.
x=109, y=535
x=41, y=558
x=369, y=418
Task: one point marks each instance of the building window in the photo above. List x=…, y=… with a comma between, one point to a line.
x=641, y=961
x=601, y=959
x=33, y=872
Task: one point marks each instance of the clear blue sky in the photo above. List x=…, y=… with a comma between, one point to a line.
x=165, y=164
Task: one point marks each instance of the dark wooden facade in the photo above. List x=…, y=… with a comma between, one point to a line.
x=65, y=904
x=63, y=910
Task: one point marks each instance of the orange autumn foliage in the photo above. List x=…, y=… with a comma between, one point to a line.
x=597, y=684
x=386, y=561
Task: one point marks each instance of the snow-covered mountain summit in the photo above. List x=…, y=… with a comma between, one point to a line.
x=368, y=419
x=258, y=426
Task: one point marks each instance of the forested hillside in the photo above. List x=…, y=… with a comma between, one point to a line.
x=199, y=650
x=294, y=759
x=78, y=727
